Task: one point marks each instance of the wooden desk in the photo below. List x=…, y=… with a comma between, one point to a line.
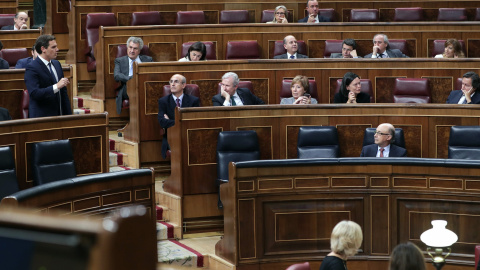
x=88, y=135
x=281, y=212
x=19, y=39
x=8, y=7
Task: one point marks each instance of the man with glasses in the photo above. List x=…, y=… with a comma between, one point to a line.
x=168, y=104
x=382, y=50
x=468, y=93
x=349, y=50
x=291, y=45
x=313, y=16
x=383, y=147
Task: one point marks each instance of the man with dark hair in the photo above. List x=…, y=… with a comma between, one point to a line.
x=123, y=70
x=231, y=95
x=349, y=50
x=22, y=63
x=3, y=63
x=168, y=104
x=20, y=22
x=383, y=147
x=4, y=114
x=290, y=44
x=469, y=92
x=313, y=16
x=382, y=50
x=45, y=82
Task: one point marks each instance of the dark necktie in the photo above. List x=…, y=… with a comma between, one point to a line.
x=292, y=56
x=380, y=55
x=178, y=102
x=233, y=101
x=55, y=81
x=381, y=152
x=465, y=101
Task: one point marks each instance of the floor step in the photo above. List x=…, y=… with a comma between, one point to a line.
x=171, y=252
x=119, y=168
x=116, y=159
x=127, y=148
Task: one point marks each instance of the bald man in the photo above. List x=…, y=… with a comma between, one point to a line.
x=383, y=147
x=20, y=22
x=290, y=44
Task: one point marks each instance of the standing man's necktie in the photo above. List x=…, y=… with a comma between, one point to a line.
x=381, y=152
x=178, y=102
x=55, y=81
x=233, y=101
x=292, y=56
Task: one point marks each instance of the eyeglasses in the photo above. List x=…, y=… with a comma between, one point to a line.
x=280, y=13
x=380, y=133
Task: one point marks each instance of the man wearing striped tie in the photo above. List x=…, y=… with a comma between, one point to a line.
x=383, y=147
x=168, y=104
x=45, y=82
x=290, y=44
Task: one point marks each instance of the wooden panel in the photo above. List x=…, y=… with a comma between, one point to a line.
x=246, y=232
x=380, y=211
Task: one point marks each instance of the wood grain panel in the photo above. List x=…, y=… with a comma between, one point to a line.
x=117, y=198
x=473, y=47
x=272, y=184
x=200, y=142
x=384, y=89
x=405, y=182
x=265, y=138
x=88, y=154
x=446, y=183
x=153, y=92
x=351, y=134
x=380, y=209
x=442, y=137
x=316, y=182
x=166, y=51
x=246, y=231
x=208, y=89
x=86, y=204
x=349, y=182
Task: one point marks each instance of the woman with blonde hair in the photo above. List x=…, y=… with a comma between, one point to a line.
x=281, y=13
x=345, y=241
x=300, y=92
x=453, y=49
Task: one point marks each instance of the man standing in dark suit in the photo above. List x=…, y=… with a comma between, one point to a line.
x=22, y=63
x=123, y=70
x=470, y=90
x=349, y=50
x=383, y=147
x=313, y=17
x=45, y=82
x=382, y=50
x=231, y=95
x=168, y=104
x=290, y=44
x=20, y=22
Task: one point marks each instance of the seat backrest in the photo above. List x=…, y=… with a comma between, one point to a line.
x=286, y=91
x=318, y=142
x=477, y=255
x=328, y=13
x=411, y=90
x=234, y=16
x=280, y=49
x=364, y=15
x=211, y=49
x=268, y=15
x=190, y=17
x=370, y=132
x=439, y=47
x=458, y=84
x=24, y=104
x=366, y=87
x=52, y=161
x=332, y=46
x=464, y=143
x=299, y=266
x=147, y=18
x=400, y=44
x=6, y=19
x=234, y=146
x=190, y=89
x=13, y=55
x=241, y=84
x=413, y=14
x=122, y=50
x=477, y=18
x=247, y=49
x=93, y=22
x=452, y=14
x=8, y=176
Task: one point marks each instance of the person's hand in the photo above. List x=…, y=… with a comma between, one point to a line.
x=62, y=83
x=283, y=20
x=467, y=94
x=224, y=93
x=311, y=18
x=455, y=56
x=352, y=98
x=303, y=100
x=24, y=26
x=165, y=116
x=376, y=49
x=353, y=53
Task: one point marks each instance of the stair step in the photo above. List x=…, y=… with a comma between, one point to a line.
x=175, y=253
x=119, y=168
x=116, y=158
x=83, y=111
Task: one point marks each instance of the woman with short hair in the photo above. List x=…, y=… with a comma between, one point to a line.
x=280, y=15
x=407, y=256
x=196, y=52
x=300, y=92
x=453, y=49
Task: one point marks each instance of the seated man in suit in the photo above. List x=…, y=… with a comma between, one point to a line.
x=313, y=17
x=3, y=63
x=290, y=44
x=349, y=50
x=470, y=90
x=22, y=63
x=168, y=104
x=20, y=22
x=382, y=50
x=383, y=147
x=123, y=70
x=231, y=95
x=45, y=82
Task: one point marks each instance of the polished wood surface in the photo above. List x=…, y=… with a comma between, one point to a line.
x=88, y=135
x=19, y=39
x=284, y=211
x=12, y=83
x=8, y=7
